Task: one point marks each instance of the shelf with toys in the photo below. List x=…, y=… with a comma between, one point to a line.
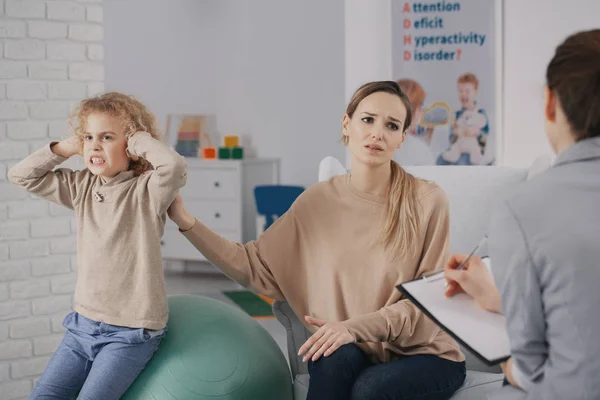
x=219, y=189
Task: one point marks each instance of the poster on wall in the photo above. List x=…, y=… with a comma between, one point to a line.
x=447, y=58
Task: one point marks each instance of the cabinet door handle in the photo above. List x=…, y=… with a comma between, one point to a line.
x=217, y=184
x=217, y=215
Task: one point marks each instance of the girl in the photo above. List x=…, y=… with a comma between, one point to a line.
x=120, y=202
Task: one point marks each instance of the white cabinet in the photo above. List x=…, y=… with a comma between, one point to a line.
x=220, y=193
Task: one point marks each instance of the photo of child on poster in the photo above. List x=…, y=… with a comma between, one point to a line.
x=453, y=96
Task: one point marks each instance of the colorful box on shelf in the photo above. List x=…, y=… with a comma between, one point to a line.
x=224, y=153
x=209, y=153
x=237, y=153
x=184, y=135
x=188, y=144
x=231, y=153
x=232, y=141
x=187, y=148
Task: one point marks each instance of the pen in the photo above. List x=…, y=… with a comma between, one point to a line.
x=466, y=260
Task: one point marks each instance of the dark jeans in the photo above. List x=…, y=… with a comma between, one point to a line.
x=348, y=374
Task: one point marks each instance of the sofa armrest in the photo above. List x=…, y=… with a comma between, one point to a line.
x=296, y=335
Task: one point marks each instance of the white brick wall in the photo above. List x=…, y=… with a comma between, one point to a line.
x=10, y=150
x=46, y=345
x=51, y=56
x=26, y=130
x=13, y=110
x=26, y=90
x=86, y=32
x=86, y=71
x=48, y=71
x=48, y=30
x=66, y=11
x=65, y=51
x=12, y=29
x=17, y=389
x=12, y=69
x=96, y=52
x=31, y=327
x=95, y=14
x=49, y=109
x=58, y=129
x=24, y=49
x=67, y=90
x=25, y=9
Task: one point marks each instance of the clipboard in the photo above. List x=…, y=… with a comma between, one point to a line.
x=482, y=332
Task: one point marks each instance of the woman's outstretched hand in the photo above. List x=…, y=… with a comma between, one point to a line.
x=327, y=339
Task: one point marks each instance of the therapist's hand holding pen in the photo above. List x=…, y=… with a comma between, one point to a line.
x=467, y=273
x=474, y=279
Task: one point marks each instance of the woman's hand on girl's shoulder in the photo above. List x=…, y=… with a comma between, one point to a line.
x=178, y=214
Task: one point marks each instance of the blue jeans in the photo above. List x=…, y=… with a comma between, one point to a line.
x=96, y=360
x=348, y=374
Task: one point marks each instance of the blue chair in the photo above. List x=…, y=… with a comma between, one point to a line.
x=272, y=201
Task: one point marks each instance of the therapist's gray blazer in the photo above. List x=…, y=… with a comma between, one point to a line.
x=545, y=250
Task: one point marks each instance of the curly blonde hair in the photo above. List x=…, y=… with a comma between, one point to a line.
x=134, y=115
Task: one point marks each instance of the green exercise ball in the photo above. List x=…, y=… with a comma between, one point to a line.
x=213, y=351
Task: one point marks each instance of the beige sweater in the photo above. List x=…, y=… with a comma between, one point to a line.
x=320, y=257
x=120, y=278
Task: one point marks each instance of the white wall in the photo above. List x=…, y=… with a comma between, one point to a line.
x=532, y=30
x=368, y=42
x=368, y=45
x=50, y=57
x=272, y=71
x=239, y=58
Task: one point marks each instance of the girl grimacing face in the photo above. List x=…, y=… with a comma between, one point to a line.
x=376, y=129
x=105, y=145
